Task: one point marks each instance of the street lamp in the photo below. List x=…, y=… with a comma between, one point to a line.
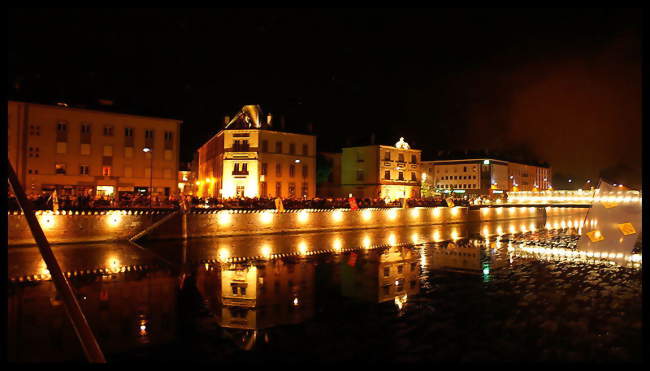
x=147, y=150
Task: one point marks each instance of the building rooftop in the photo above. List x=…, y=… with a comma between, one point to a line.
x=107, y=109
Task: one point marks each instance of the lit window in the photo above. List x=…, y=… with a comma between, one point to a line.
x=106, y=170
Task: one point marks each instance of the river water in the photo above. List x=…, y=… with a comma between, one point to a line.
x=458, y=292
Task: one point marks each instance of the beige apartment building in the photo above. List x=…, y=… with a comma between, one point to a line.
x=248, y=159
x=484, y=176
x=81, y=151
x=380, y=171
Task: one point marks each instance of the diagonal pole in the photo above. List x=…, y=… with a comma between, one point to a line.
x=73, y=310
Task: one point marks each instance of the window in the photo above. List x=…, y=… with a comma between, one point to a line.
x=278, y=189
x=106, y=170
x=59, y=169
x=33, y=152
x=387, y=174
x=414, y=159
x=414, y=177
x=400, y=268
x=61, y=147
x=169, y=136
x=387, y=156
x=148, y=134
x=359, y=157
x=128, y=132
x=360, y=175
x=386, y=271
x=278, y=169
x=265, y=145
x=264, y=168
x=108, y=150
x=128, y=171
x=263, y=191
x=304, y=190
x=278, y=147
x=108, y=131
x=414, y=266
x=235, y=169
x=85, y=128
x=244, y=168
x=292, y=190
x=128, y=152
x=400, y=176
x=292, y=148
x=83, y=169
x=85, y=149
x=34, y=130
x=61, y=126
x=305, y=171
x=305, y=150
x=292, y=170
x=400, y=157
x=464, y=169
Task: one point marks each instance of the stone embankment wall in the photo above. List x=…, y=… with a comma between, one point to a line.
x=122, y=225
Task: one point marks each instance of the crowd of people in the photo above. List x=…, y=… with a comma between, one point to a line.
x=52, y=201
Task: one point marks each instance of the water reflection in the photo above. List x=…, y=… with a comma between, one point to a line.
x=254, y=289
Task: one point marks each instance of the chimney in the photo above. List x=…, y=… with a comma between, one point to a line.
x=226, y=120
x=282, y=122
x=268, y=119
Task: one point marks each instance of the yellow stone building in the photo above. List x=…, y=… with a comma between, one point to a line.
x=77, y=150
x=248, y=159
x=380, y=171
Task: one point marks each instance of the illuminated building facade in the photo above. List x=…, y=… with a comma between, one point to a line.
x=248, y=159
x=81, y=151
x=484, y=176
x=379, y=171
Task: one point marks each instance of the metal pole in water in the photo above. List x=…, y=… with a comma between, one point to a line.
x=86, y=337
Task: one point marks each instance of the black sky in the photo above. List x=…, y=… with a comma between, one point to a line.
x=564, y=86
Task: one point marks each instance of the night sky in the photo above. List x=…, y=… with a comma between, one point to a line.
x=560, y=86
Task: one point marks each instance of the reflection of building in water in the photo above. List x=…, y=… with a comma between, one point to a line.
x=466, y=256
x=382, y=275
x=130, y=309
x=264, y=295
